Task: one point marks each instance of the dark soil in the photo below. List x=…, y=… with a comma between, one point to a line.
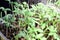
x=9, y=32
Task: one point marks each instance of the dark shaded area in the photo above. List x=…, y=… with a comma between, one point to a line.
x=5, y=4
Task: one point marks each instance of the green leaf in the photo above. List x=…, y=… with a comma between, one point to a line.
x=43, y=38
x=21, y=34
x=43, y=26
x=38, y=36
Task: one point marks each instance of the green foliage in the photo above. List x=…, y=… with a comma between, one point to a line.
x=57, y=3
x=5, y=10
x=46, y=18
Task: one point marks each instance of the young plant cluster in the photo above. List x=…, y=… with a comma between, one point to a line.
x=40, y=22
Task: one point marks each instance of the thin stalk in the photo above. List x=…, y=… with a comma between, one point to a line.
x=6, y=32
x=12, y=9
x=1, y=15
x=5, y=12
